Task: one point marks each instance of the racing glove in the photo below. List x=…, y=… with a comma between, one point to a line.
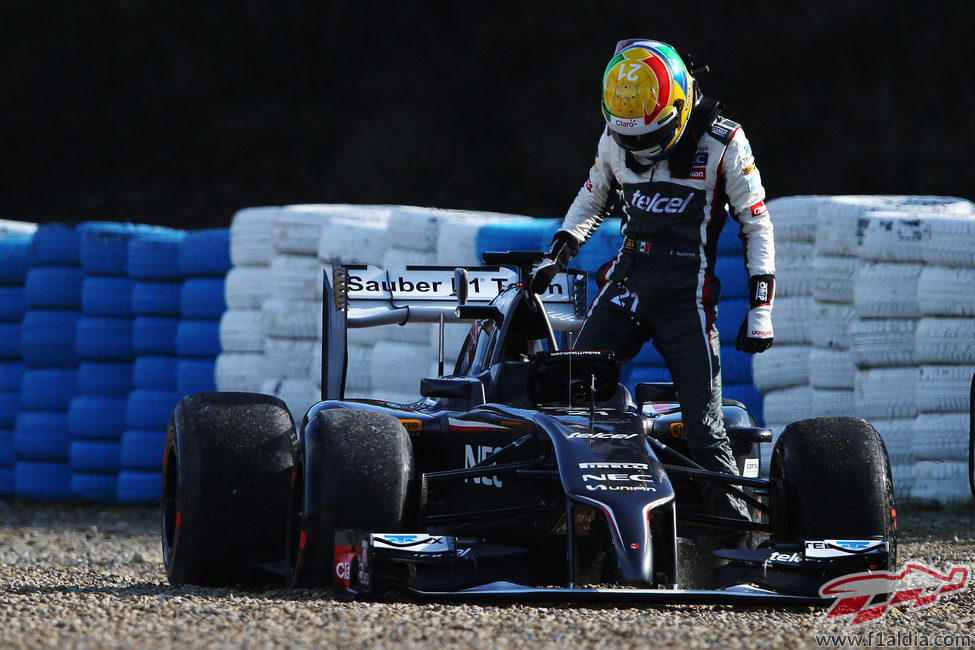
x=564, y=247
x=755, y=334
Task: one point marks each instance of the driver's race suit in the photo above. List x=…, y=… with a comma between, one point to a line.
x=662, y=285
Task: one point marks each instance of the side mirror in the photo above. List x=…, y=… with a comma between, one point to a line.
x=654, y=392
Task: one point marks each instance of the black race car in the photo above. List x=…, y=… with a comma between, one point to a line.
x=526, y=471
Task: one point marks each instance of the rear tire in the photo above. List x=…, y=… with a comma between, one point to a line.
x=226, y=477
x=354, y=472
x=831, y=480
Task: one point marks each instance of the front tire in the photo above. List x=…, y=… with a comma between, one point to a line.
x=354, y=472
x=226, y=478
x=831, y=480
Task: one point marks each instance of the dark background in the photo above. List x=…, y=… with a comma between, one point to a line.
x=180, y=113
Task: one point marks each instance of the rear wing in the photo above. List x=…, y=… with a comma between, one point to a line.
x=368, y=296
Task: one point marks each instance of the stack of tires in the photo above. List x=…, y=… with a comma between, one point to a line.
x=945, y=352
x=240, y=366
x=356, y=235
x=105, y=352
x=15, y=246
x=153, y=265
x=52, y=290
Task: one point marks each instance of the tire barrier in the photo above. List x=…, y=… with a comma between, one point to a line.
x=873, y=316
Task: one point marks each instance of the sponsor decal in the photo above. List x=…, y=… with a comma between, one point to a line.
x=415, y=543
x=627, y=477
x=750, y=469
x=603, y=436
x=413, y=426
x=915, y=587
x=830, y=548
x=749, y=170
x=588, y=184
x=418, y=283
x=761, y=291
x=613, y=466
x=700, y=158
x=478, y=454
x=677, y=429
x=754, y=182
x=720, y=131
x=759, y=209
x=790, y=558
x=658, y=204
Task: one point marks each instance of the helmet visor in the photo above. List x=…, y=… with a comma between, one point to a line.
x=644, y=141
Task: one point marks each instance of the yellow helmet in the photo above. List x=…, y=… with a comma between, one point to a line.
x=648, y=95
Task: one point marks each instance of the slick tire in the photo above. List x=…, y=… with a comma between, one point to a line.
x=354, y=472
x=225, y=484
x=831, y=480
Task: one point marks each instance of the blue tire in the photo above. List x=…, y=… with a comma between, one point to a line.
x=154, y=335
x=154, y=254
x=48, y=337
x=143, y=449
x=730, y=269
x=42, y=435
x=43, y=481
x=56, y=287
x=15, y=254
x=97, y=417
x=94, y=486
x=731, y=314
x=8, y=452
x=107, y=295
x=205, y=252
x=105, y=379
x=102, y=338
x=104, y=246
x=729, y=243
x=203, y=298
x=56, y=244
x=139, y=486
x=10, y=335
x=11, y=375
x=196, y=376
x=96, y=456
x=198, y=338
x=156, y=298
x=8, y=482
x=156, y=372
x=13, y=303
x=48, y=389
x=736, y=367
x=748, y=395
x=634, y=374
x=525, y=235
x=9, y=409
x=149, y=410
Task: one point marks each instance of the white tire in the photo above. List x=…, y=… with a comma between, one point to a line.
x=832, y=402
x=946, y=291
x=898, y=435
x=292, y=358
x=242, y=330
x=416, y=228
x=246, y=287
x=832, y=278
x=831, y=368
x=941, y=436
x=792, y=263
x=891, y=236
x=941, y=482
x=297, y=228
x=942, y=389
x=292, y=319
x=791, y=320
x=358, y=380
x=296, y=277
x=298, y=394
x=240, y=371
x=831, y=325
x=789, y=404
x=945, y=340
x=781, y=366
x=886, y=290
x=346, y=240
x=396, y=368
x=949, y=241
x=251, y=241
x=457, y=241
x=881, y=342
x=794, y=218
x=885, y=393
x=396, y=257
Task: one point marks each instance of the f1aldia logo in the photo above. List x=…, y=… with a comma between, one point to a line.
x=916, y=586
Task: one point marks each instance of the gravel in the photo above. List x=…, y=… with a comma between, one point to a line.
x=86, y=576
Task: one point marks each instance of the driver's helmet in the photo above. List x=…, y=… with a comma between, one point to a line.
x=648, y=95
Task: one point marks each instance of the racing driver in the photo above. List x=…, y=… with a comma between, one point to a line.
x=679, y=167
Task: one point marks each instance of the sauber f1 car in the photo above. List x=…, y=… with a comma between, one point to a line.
x=526, y=470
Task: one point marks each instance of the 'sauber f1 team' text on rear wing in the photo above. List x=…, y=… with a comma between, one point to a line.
x=368, y=296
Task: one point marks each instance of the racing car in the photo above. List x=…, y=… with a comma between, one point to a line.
x=525, y=470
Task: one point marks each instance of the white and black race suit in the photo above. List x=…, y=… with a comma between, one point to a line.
x=662, y=286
